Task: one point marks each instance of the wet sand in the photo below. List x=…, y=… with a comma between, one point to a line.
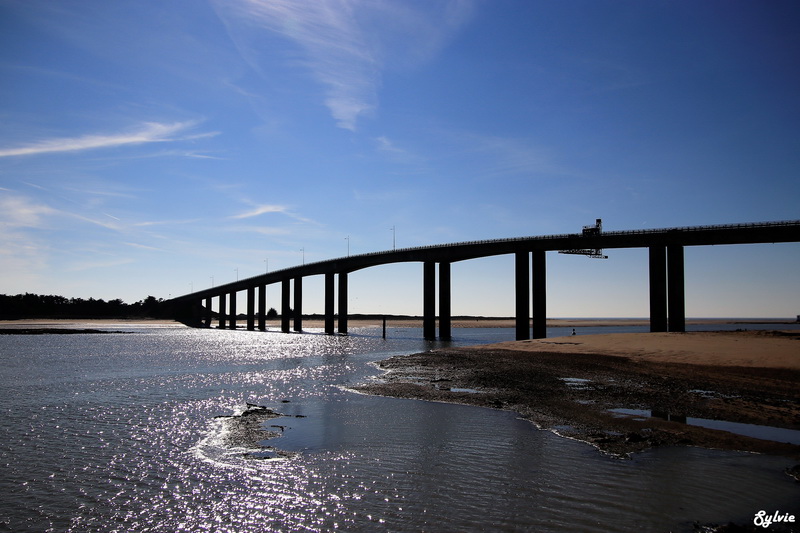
x=569, y=385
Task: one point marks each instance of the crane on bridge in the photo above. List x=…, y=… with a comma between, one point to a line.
x=589, y=231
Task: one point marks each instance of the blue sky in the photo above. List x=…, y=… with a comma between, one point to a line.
x=148, y=147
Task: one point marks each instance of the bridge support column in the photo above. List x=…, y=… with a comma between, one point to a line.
x=251, y=308
x=208, y=313
x=539, y=281
x=232, y=304
x=429, y=300
x=298, y=303
x=675, y=291
x=195, y=312
x=445, y=311
x=222, y=310
x=343, y=303
x=285, y=314
x=262, y=307
x=522, y=295
x=329, y=287
x=658, y=288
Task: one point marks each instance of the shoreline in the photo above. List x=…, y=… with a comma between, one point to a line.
x=570, y=385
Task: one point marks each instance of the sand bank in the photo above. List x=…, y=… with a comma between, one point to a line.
x=571, y=384
x=765, y=349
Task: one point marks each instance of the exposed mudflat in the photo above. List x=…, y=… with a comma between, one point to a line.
x=573, y=393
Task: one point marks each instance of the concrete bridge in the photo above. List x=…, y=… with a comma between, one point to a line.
x=666, y=275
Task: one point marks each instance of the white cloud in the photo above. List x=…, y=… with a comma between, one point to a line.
x=386, y=145
x=347, y=43
x=264, y=230
x=166, y=222
x=148, y=132
x=261, y=210
x=143, y=247
x=22, y=253
x=18, y=211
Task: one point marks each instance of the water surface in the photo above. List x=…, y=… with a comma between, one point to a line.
x=118, y=433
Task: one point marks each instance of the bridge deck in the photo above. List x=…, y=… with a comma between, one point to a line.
x=751, y=233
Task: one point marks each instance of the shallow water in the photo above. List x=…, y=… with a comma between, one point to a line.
x=118, y=433
x=792, y=436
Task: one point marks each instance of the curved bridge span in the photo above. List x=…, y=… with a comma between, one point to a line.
x=665, y=246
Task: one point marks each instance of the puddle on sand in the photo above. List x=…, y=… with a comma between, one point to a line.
x=772, y=433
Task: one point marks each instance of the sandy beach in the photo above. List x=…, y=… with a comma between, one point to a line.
x=571, y=384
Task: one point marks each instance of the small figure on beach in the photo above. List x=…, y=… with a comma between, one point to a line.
x=573, y=331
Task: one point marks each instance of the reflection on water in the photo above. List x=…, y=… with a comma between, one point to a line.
x=776, y=434
x=120, y=433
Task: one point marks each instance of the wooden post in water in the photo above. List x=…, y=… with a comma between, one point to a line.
x=384, y=327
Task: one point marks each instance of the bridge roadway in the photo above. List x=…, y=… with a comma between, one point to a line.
x=666, y=276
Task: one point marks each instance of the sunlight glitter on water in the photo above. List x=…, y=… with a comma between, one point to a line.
x=139, y=447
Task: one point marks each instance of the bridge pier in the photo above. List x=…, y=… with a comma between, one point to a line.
x=222, y=310
x=298, y=303
x=445, y=311
x=667, y=292
x=208, y=313
x=343, y=303
x=429, y=300
x=522, y=293
x=675, y=290
x=262, y=307
x=530, y=287
x=232, y=303
x=329, y=285
x=251, y=308
x=539, y=286
x=285, y=294
x=658, y=288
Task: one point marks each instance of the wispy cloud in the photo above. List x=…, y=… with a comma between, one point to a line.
x=143, y=247
x=491, y=156
x=386, y=145
x=261, y=210
x=166, y=222
x=264, y=209
x=266, y=230
x=19, y=211
x=22, y=252
x=149, y=132
x=347, y=43
x=398, y=154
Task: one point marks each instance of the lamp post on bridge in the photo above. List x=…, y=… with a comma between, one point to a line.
x=394, y=240
x=348, y=245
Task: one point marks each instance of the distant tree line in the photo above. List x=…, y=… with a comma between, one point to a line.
x=50, y=306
